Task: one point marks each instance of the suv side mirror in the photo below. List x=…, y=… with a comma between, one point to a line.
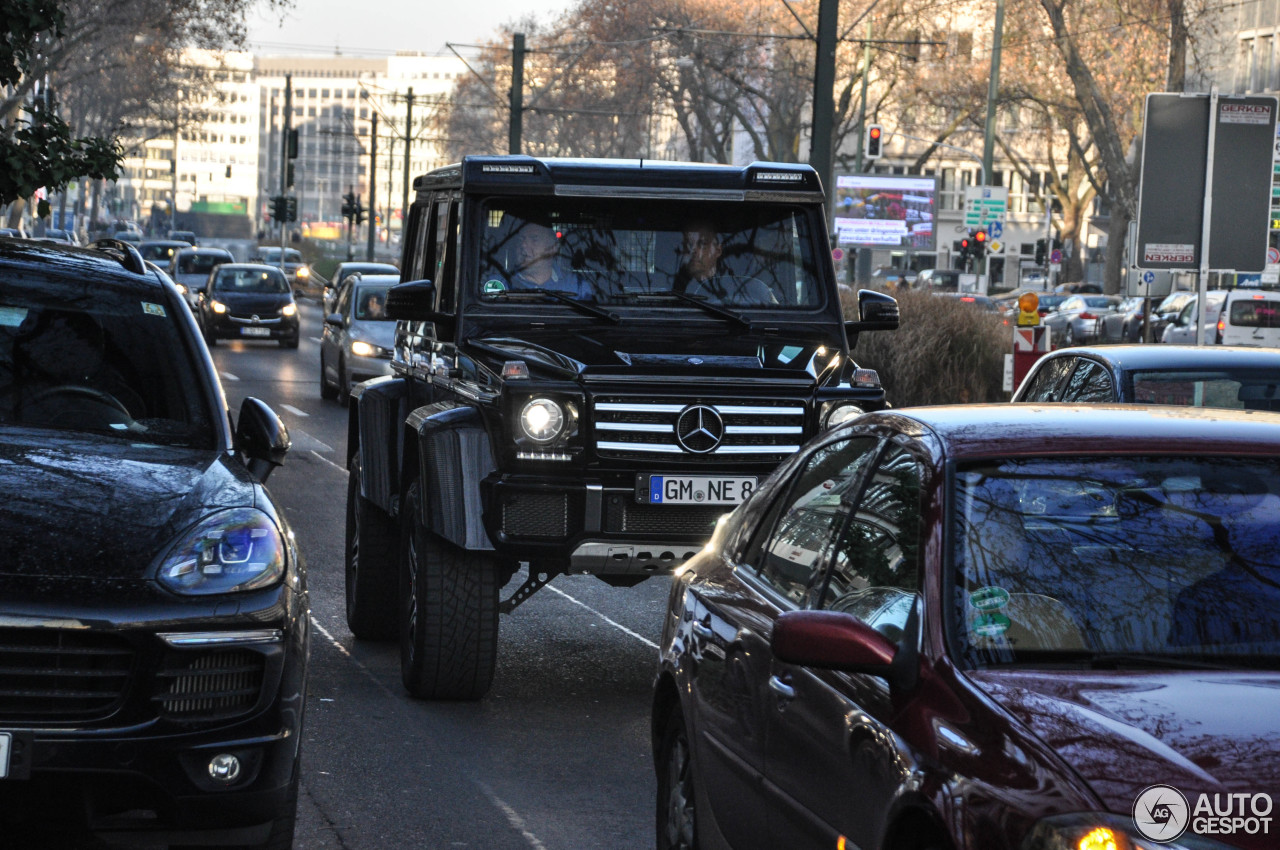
x=261, y=437
x=414, y=301
x=876, y=312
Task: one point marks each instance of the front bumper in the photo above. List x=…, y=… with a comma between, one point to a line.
x=595, y=526
x=133, y=759
x=229, y=326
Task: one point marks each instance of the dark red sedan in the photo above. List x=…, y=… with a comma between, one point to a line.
x=989, y=627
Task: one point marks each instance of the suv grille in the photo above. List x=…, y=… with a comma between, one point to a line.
x=215, y=685
x=723, y=431
x=53, y=675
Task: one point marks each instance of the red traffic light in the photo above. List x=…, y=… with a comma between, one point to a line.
x=964, y=244
x=980, y=236
x=875, y=133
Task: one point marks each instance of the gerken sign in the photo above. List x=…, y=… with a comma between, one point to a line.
x=1180, y=134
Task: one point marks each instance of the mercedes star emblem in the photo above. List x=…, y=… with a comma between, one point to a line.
x=699, y=429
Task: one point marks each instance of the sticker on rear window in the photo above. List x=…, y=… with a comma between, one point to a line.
x=153, y=309
x=989, y=625
x=492, y=287
x=11, y=317
x=989, y=598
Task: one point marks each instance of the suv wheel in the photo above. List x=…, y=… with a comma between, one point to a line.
x=448, y=612
x=371, y=553
x=677, y=823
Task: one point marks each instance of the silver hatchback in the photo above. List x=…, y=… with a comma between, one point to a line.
x=358, y=337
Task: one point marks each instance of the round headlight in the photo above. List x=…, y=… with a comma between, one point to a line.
x=842, y=413
x=233, y=550
x=542, y=420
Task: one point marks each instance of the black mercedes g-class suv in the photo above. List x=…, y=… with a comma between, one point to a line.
x=595, y=359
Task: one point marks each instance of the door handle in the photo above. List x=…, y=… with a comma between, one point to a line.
x=781, y=688
x=702, y=631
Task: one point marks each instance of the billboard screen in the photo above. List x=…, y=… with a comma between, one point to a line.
x=886, y=211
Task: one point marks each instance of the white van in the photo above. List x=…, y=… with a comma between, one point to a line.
x=1250, y=317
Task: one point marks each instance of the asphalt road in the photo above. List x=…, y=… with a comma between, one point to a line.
x=555, y=757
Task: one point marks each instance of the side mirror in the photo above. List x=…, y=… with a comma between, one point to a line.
x=832, y=640
x=334, y=319
x=876, y=312
x=261, y=437
x=413, y=301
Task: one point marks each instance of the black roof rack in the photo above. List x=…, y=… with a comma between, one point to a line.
x=122, y=251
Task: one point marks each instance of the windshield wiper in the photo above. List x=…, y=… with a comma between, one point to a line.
x=706, y=306
x=555, y=295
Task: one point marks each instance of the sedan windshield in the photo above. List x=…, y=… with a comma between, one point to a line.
x=76, y=357
x=1173, y=560
x=251, y=280
x=624, y=254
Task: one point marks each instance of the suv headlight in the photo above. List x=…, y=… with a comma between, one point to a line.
x=836, y=412
x=233, y=550
x=543, y=420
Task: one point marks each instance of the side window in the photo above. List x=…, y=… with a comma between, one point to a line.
x=1090, y=382
x=874, y=570
x=1044, y=384
x=806, y=519
x=418, y=259
x=446, y=221
x=344, y=298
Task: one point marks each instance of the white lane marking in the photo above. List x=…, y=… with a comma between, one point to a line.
x=326, y=460
x=230, y=377
x=295, y=411
x=613, y=623
x=513, y=817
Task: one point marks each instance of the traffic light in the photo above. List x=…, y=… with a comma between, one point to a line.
x=359, y=212
x=966, y=247
x=1042, y=251
x=290, y=208
x=875, y=135
x=278, y=208
x=979, y=249
x=288, y=181
x=292, y=146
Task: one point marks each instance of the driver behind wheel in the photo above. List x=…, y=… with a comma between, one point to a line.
x=61, y=374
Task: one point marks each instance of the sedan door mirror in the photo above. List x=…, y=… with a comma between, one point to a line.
x=334, y=319
x=261, y=437
x=833, y=640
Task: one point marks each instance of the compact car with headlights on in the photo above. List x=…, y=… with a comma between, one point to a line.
x=249, y=301
x=153, y=607
x=358, y=335
x=988, y=627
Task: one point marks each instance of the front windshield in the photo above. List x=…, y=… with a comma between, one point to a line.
x=200, y=263
x=251, y=280
x=370, y=303
x=639, y=251
x=76, y=357
x=1171, y=559
x=1242, y=389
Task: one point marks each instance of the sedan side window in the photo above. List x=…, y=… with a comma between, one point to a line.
x=1044, y=385
x=1089, y=383
x=875, y=569
x=806, y=520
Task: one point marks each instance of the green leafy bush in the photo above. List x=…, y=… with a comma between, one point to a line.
x=944, y=352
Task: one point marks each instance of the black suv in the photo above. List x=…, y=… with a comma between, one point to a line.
x=594, y=361
x=153, y=606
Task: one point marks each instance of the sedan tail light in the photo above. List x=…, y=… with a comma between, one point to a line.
x=1088, y=315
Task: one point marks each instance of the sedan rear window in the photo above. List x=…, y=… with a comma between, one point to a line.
x=1092, y=559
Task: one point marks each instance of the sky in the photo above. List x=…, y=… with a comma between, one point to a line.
x=381, y=27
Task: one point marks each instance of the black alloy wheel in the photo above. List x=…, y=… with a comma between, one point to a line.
x=677, y=822
x=328, y=391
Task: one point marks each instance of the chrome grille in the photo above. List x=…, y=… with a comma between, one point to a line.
x=216, y=684
x=56, y=675
x=645, y=429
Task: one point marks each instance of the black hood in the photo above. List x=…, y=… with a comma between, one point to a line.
x=680, y=350
x=101, y=508
x=253, y=302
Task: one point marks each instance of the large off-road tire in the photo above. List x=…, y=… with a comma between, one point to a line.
x=677, y=822
x=448, y=611
x=372, y=560
x=328, y=391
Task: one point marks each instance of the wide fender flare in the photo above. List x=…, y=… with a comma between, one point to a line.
x=454, y=455
x=375, y=432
